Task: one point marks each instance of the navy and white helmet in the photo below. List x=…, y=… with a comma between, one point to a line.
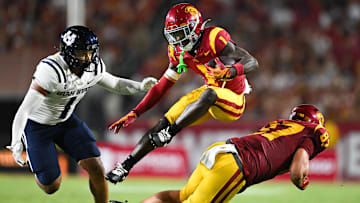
x=75, y=39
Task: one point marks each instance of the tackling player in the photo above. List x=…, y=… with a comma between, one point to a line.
x=46, y=118
x=204, y=50
x=228, y=168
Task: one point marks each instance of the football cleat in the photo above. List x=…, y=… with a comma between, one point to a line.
x=118, y=174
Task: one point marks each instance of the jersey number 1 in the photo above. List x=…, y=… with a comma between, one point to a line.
x=67, y=107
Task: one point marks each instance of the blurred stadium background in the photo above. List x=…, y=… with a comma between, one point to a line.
x=309, y=52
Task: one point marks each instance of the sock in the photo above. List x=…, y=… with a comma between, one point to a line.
x=128, y=163
x=174, y=129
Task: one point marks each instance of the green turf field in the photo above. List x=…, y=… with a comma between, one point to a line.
x=20, y=188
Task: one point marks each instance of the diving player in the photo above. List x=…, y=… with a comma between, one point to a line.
x=46, y=118
x=209, y=52
x=228, y=168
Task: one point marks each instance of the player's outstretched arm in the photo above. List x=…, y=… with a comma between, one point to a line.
x=154, y=95
x=124, y=86
x=299, y=169
x=31, y=102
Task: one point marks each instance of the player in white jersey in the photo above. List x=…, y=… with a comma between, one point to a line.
x=46, y=118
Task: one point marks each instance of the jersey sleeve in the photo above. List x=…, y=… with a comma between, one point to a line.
x=316, y=143
x=218, y=39
x=46, y=77
x=322, y=138
x=309, y=146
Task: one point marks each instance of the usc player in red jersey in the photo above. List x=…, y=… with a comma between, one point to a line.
x=204, y=50
x=228, y=168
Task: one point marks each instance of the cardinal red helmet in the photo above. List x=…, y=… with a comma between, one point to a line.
x=307, y=112
x=183, y=26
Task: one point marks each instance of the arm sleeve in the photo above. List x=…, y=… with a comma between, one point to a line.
x=119, y=85
x=30, y=103
x=154, y=95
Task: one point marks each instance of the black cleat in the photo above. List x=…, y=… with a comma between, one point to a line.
x=118, y=174
x=114, y=201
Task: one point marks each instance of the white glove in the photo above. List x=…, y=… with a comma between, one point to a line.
x=147, y=83
x=17, y=149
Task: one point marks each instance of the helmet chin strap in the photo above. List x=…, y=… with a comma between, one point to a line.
x=189, y=46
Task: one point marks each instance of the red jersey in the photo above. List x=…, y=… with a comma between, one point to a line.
x=213, y=40
x=269, y=152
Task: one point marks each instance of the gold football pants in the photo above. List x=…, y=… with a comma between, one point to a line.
x=218, y=184
x=229, y=106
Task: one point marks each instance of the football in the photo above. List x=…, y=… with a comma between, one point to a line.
x=224, y=59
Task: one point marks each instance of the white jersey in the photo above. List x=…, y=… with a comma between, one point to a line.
x=65, y=88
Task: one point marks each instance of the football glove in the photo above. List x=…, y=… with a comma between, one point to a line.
x=305, y=183
x=123, y=122
x=147, y=83
x=220, y=72
x=17, y=150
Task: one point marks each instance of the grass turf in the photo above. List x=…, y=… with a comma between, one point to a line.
x=74, y=189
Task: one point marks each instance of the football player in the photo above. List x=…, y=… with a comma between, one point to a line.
x=46, y=118
x=204, y=50
x=228, y=168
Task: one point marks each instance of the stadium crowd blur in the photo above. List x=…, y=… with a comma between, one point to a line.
x=308, y=51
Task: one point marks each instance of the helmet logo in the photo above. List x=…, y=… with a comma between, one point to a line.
x=320, y=117
x=69, y=38
x=193, y=11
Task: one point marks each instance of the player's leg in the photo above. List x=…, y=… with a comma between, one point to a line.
x=201, y=97
x=151, y=140
x=42, y=155
x=52, y=187
x=196, y=109
x=221, y=103
x=143, y=147
x=220, y=183
x=193, y=111
x=98, y=185
x=78, y=141
x=229, y=106
x=177, y=195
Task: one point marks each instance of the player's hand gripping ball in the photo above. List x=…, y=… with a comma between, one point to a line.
x=219, y=71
